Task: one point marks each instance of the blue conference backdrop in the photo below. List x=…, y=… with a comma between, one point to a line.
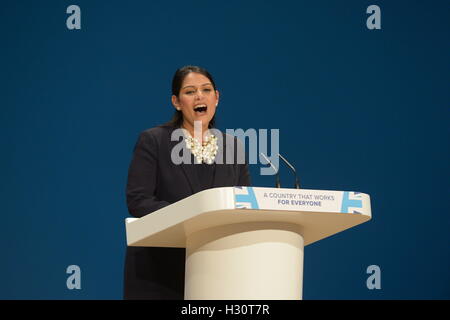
x=358, y=90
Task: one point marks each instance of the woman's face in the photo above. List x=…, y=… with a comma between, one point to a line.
x=197, y=99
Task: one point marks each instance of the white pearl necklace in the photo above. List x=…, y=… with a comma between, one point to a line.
x=203, y=153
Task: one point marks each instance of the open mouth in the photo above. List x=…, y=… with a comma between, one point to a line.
x=200, y=109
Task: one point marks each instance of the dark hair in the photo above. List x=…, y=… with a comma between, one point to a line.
x=177, y=81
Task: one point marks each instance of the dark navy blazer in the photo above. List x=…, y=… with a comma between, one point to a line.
x=154, y=182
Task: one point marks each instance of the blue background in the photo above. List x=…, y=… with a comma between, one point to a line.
x=358, y=109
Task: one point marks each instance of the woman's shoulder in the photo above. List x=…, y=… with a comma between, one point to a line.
x=157, y=132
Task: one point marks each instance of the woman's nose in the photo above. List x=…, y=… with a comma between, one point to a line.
x=198, y=95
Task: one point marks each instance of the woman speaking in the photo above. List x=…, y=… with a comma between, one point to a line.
x=155, y=180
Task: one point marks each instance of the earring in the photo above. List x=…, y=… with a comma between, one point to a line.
x=178, y=109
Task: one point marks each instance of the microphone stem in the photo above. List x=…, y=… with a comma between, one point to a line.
x=277, y=181
x=277, y=176
x=297, y=183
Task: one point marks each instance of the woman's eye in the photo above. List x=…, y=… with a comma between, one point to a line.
x=207, y=90
x=189, y=92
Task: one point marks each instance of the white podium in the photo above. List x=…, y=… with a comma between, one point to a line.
x=245, y=243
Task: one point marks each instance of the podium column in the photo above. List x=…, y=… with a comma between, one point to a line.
x=245, y=261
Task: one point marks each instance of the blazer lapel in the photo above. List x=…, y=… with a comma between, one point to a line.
x=220, y=175
x=188, y=169
x=191, y=176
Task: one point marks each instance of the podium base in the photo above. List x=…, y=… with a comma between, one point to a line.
x=246, y=261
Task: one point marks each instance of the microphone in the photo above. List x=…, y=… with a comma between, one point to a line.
x=277, y=177
x=297, y=183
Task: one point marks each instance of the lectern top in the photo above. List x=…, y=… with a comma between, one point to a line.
x=317, y=213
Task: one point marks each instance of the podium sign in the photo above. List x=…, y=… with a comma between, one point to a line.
x=247, y=242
